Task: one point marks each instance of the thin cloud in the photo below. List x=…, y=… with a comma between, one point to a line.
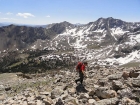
x=9, y=13
x=8, y=18
x=4, y=18
x=48, y=16
x=25, y=15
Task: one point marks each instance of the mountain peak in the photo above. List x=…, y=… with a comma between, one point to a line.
x=109, y=18
x=65, y=22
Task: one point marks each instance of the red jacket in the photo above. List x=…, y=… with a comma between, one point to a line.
x=83, y=67
x=80, y=66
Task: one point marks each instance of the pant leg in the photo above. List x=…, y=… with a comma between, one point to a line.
x=81, y=75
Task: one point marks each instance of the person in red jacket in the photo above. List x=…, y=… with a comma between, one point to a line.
x=81, y=69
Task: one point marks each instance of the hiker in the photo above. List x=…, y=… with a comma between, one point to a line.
x=81, y=70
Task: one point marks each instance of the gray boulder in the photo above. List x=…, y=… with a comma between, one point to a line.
x=111, y=101
x=136, y=82
x=104, y=92
x=57, y=92
x=114, y=76
x=116, y=85
x=127, y=92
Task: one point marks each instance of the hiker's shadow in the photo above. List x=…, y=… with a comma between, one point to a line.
x=81, y=88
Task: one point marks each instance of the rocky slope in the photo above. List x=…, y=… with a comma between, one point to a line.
x=103, y=86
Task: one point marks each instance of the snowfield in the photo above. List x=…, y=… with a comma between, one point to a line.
x=105, y=53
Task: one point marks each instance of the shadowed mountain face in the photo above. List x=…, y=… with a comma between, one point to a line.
x=20, y=37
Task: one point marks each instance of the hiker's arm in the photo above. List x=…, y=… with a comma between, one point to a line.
x=77, y=69
x=83, y=70
x=84, y=73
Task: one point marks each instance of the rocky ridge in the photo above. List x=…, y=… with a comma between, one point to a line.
x=103, y=86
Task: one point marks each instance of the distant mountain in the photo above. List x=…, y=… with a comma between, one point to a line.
x=8, y=23
x=4, y=24
x=105, y=39
x=19, y=37
x=1, y=24
x=78, y=24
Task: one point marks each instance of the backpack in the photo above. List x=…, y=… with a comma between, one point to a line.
x=79, y=65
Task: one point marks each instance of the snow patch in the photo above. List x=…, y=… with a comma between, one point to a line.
x=33, y=47
x=123, y=60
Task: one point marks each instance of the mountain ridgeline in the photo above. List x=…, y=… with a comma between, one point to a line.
x=14, y=37
x=107, y=39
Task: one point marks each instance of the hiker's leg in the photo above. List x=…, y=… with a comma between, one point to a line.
x=78, y=78
x=81, y=77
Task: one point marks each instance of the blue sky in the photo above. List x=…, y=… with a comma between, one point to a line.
x=74, y=11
